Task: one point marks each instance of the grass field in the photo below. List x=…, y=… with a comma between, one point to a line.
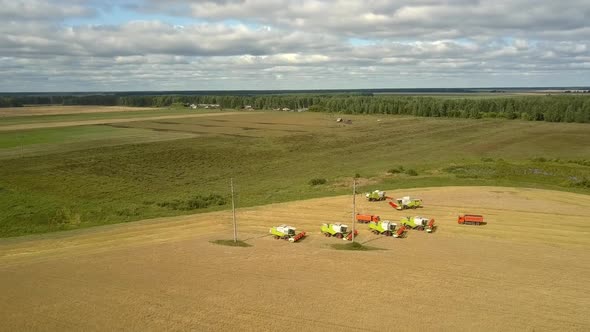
x=146, y=167
x=528, y=269
x=15, y=116
x=57, y=110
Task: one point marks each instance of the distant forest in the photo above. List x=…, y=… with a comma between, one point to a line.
x=552, y=108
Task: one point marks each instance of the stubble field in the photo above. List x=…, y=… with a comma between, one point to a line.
x=528, y=269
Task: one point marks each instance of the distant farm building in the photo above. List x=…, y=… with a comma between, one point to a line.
x=208, y=106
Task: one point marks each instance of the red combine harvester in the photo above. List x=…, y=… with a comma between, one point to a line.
x=367, y=218
x=471, y=219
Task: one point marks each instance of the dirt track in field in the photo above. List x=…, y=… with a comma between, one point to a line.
x=528, y=269
x=59, y=110
x=109, y=121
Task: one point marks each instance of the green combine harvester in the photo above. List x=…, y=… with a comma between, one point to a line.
x=339, y=231
x=387, y=228
x=405, y=202
x=376, y=195
x=418, y=223
x=286, y=233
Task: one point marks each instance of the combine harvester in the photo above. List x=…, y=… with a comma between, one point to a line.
x=339, y=231
x=471, y=219
x=405, y=202
x=286, y=232
x=366, y=218
x=418, y=223
x=376, y=195
x=387, y=228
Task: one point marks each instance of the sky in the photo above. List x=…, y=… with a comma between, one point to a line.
x=138, y=45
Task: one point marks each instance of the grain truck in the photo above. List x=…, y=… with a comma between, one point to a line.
x=471, y=219
x=366, y=218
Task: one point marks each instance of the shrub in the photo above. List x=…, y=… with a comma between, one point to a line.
x=194, y=203
x=64, y=217
x=411, y=172
x=580, y=162
x=539, y=159
x=128, y=212
x=582, y=183
x=399, y=169
x=317, y=181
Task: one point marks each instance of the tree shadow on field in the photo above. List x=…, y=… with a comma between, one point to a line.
x=353, y=246
x=371, y=240
x=231, y=243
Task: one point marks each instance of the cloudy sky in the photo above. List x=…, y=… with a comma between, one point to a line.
x=92, y=45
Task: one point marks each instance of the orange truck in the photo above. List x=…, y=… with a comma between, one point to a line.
x=366, y=218
x=471, y=219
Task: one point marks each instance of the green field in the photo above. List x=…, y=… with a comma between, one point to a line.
x=66, y=178
x=14, y=120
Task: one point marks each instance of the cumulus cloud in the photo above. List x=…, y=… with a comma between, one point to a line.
x=16, y=10
x=384, y=18
x=269, y=44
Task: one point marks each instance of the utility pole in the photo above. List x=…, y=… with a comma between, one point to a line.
x=233, y=208
x=353, y=208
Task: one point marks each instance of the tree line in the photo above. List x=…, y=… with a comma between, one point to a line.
x=552, y=108
x=9, y=102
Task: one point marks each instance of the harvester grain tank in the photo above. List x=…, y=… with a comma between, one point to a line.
x=418, y=223
x=339, y=231
x=405, y=202
x=366, y=218
x=471, y=219
x=387, y=228
x=376, y=195
x=286, y=232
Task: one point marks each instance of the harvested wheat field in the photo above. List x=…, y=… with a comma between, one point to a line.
x=527, y=269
